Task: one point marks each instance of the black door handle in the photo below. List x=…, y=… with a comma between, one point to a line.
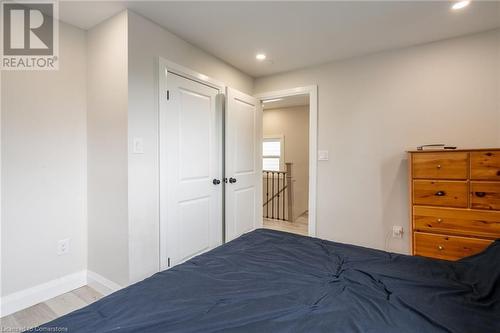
x=232, y=180
x=480, y=194
x=440, y=193
x=216, y=181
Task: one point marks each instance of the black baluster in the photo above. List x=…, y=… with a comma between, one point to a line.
x=278, y=213
x=284, y=196
x=272, y=196
x=267, y=194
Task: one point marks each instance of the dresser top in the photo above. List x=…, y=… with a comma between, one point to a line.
x=451, y=150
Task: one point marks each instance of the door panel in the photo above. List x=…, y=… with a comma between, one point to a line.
x=243, y=162
x=194, y=132
x=194, y=227
x=190, y=158
x=244, y=119
x=244, y=203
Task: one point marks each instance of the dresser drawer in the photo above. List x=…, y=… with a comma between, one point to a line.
x=440, y=193
x=485, y=195
x=454, y=221
x=485, y=165
x=447, y=247
x=441, y=165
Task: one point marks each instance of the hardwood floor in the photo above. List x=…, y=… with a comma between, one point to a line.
x=299, y=226
x=53, y=308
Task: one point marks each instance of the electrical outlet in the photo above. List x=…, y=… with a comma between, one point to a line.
x=397, y=231
x=63, y=247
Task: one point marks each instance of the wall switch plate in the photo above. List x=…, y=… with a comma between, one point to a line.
x=138, y=147
x=63, y=247
x=322, y=155
x=397, y=231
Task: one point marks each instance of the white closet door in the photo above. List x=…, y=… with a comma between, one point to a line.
x=191, y=155
x=243, y=160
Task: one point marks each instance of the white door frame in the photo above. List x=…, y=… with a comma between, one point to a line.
x=312, y=91
x=165, y=66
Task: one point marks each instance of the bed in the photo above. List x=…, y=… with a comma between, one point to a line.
x=271, y=281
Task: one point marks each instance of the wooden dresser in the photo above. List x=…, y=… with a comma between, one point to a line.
x=454, y=201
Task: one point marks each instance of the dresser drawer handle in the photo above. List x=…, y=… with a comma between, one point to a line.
x=480, y=194
x=440, y=193
x=439, y=220
x=440, y=247
x=439, y=166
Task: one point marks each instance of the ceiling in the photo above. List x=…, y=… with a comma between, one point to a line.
x=297, y=34
x=287, y=102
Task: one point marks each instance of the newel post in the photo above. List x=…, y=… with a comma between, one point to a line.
x=289, y=183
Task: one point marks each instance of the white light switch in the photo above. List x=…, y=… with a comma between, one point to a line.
x=322, y=155
x=138, y=146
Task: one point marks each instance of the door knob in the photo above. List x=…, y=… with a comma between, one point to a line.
x=232, y=180
x=216, y=181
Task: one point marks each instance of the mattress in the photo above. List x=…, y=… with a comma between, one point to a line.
x=271, y=281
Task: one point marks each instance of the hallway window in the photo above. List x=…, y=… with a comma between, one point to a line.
x=272, y=151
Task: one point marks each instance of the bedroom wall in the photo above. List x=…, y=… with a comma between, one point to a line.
x=373, y=108
x=43, y=147
x=293, y=124
x=143, y=122
x=107, y=150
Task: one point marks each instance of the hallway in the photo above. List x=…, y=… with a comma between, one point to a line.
x=300, y=226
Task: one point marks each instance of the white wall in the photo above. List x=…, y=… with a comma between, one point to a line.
x=43, y=168
x=147, y=41
x=107, y=150
x=293, y=124
x=373, y=108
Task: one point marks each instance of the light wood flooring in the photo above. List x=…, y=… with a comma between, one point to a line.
x=49, y=310
x=299, y=226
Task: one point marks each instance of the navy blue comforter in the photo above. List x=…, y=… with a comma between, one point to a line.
x=269, y=281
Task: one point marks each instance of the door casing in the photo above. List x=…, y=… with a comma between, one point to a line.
x=312, y=91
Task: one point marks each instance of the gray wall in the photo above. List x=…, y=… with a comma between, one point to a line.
x=373, y=108
x=44, y=168
x=143, y=122
x=108, y=233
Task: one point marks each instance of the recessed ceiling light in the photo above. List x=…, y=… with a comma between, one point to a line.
x=460, y=5
x=272, y=100
x=260, y=56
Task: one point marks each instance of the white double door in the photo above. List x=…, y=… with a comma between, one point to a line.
x=210, y=168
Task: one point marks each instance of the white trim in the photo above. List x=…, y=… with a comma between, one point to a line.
x=164, y=67
x=101, y=284
x=313, y=142
x=190, y=74
x=40, y=293
x=28, y=297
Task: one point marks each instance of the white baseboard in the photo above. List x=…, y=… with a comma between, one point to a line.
x=101, y=284
x=28, y=297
